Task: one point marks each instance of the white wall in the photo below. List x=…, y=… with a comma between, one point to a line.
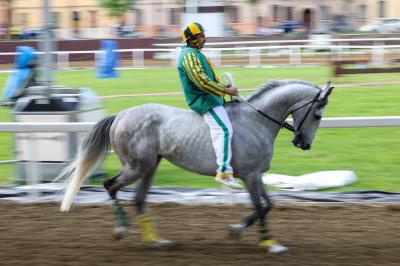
x=213, y=23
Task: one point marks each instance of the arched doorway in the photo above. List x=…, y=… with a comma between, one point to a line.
x=307, y=19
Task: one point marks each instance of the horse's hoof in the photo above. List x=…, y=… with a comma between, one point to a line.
x=236, y=230
x=161, y=243
x=120, y=232
x=278, y=249
x=273, y=247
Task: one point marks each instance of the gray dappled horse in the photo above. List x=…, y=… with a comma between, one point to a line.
x=141, y=136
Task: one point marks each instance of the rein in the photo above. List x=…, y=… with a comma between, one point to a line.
x=284, y=124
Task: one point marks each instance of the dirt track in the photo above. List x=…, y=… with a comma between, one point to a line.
x=37, y=234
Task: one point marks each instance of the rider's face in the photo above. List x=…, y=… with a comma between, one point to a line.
x=202, y=40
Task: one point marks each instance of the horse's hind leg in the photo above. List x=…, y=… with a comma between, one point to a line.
x=141, y=194
x=109, y=186
x=149, y=232
x=112, y=185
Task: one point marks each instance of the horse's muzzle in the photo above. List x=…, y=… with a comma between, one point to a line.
x=299, y=142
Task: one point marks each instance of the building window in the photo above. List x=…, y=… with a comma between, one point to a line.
x=24, y=19
x=382, y=9
x=92, y=19
x=174, y=16
x=75, y=16
x=324, y=13
x=362, y=12
x=232, y=13
x=275, y=13
x=289, y=13
x=138, y=17
x=55, y=17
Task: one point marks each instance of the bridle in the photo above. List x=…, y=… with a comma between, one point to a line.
x=285, y=124
x=308, y=111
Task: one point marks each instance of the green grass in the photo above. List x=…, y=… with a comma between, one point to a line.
x=373, y=153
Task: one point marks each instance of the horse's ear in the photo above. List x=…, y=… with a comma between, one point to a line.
x=325, y=91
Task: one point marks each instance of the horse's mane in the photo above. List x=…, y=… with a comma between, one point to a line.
x=277, y=83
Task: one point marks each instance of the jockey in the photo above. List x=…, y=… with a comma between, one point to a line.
x=204, y=93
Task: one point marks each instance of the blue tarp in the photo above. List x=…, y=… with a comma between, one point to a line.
x=108, y=61
x=24, y=63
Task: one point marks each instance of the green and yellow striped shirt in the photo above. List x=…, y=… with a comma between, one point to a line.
x=200, y=84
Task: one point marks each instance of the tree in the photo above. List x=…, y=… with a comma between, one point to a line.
x=116, y=8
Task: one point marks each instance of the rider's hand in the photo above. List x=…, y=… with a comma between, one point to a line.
x=231, y=90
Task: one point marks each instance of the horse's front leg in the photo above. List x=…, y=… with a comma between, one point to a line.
x=237, y=229
x=257, y=191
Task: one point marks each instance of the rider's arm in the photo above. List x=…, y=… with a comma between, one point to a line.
x=213, y=71
x=196, y=74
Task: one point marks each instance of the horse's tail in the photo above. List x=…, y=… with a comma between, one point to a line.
x=92, y=152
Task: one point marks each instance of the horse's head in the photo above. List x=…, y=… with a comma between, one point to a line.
x=307, y=117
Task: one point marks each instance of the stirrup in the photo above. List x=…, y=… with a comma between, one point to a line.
x=227, y=179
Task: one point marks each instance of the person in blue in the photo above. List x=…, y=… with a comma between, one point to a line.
x=25, y=74
x=204, y=94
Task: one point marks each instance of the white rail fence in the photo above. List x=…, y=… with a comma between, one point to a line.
x=333, y=122
x=376, y=41
x=294, y=49
x=34, y=176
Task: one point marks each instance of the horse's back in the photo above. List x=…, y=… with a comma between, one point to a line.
x=181, y=136
x=150, y=112
x=149, y=121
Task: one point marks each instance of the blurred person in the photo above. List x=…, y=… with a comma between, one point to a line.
x=162, y=32
x=261, y=28
x=204, y=94
x=120, y=29
x=25, y=74
x=15, y=32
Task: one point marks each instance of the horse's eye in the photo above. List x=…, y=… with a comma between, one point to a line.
x=318, y=113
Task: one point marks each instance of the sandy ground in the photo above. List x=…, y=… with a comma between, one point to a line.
x=346, y=234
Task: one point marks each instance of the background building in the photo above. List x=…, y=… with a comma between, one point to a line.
x=151, y=18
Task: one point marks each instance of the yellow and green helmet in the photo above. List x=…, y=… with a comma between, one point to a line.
x=190, y=30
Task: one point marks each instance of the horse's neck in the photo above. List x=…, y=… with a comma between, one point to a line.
x=278, y=102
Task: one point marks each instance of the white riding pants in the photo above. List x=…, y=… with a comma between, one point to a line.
x=221, y=136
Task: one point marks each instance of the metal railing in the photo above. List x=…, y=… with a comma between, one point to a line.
x=375, y=41
x=332, y=122
x=34, y=174
x=295, y=50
